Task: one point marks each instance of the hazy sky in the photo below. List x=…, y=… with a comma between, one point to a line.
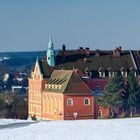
x=27, y=24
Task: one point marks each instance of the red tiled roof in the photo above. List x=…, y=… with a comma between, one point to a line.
x=92, y=83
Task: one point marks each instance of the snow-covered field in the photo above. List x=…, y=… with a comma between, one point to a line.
x=116, y=129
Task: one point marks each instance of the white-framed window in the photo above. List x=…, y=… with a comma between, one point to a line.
x=86, y=101
x=56, y=86
x=110, y=74
x=69, y=102
x=53, y=86
x=59, y=87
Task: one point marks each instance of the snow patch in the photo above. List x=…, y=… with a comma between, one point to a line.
x=115, y=129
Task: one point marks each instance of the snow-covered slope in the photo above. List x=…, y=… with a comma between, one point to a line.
x=117, y=129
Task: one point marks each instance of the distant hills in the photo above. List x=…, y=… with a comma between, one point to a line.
x=19, y=61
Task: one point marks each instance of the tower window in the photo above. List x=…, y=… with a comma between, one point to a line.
x=48, y=58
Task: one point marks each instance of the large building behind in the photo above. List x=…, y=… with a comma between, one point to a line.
x=64, y=83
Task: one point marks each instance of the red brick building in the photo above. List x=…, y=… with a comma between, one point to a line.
x=64, y=96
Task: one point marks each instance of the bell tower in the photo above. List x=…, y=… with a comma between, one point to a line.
x=50, y=53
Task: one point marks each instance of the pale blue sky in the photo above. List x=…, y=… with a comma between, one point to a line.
x=27, y=24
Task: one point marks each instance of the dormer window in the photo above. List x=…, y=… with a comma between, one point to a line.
x=56, y=86
x=109, y=72
x=53, y=86
x=124, y=72
x=113, y=74
x=101, y=72
x=59, y=87
x=49, y=86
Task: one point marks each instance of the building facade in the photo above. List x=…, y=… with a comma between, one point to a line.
x=65, y=96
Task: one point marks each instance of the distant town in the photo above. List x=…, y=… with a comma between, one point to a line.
x=77, y=78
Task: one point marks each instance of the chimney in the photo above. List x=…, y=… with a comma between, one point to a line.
x=87, y=51
x=81, y=48
x=64, y=52
x=120, y=48
x=97, y=53
x=138, y=52
x=117, y=51
x=86, y=71
x=63, y=48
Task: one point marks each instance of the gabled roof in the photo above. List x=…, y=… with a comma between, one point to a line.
x=137, y=59
x=44, y=69
x=69, y=82
x=101, y=82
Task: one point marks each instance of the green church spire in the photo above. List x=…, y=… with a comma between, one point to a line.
x=50, y=53
x=50, y=44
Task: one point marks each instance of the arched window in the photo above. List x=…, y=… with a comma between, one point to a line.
x=100, y=114
x=69, y=102
x=86, y=101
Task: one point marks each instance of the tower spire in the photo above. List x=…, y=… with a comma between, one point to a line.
x=50, y=53
x=37, y=59
x=50, y=39
x=50, y=44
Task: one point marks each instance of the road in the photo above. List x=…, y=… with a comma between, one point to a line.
x=15, y=125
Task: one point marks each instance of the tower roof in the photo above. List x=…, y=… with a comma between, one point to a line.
x=50, y=39
x=50, y=44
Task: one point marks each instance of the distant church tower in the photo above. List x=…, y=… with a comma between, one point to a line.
x=50, y=53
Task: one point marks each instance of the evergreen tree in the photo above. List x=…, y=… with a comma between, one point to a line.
x=112, y=95
x=132, y=95
x=2, y=104
x=22, y=108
